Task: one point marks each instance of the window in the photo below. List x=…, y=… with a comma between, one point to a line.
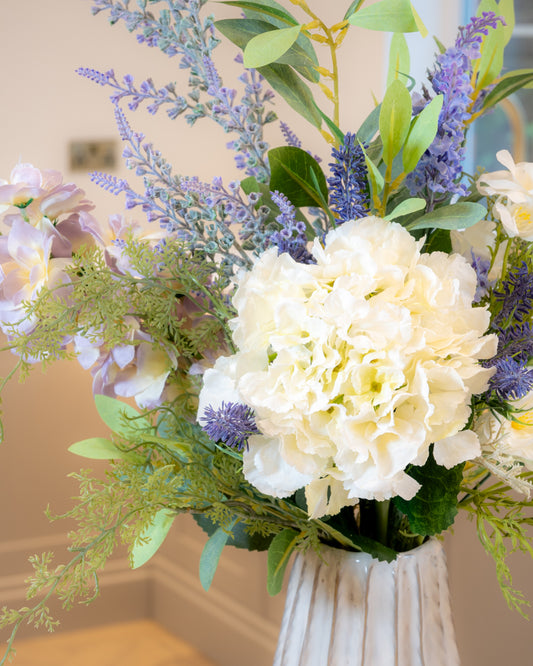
x=510, y=125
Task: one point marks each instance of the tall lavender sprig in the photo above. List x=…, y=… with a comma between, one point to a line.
x=200, y=214
x=291, y=238
x=513, y=377
x=180, y=30
x=437, y=176
x=348, y=185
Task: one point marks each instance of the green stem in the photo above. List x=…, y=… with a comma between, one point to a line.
x=382, y=516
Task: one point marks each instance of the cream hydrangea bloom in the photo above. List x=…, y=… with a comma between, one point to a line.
x=514, y=191
x=354, y=366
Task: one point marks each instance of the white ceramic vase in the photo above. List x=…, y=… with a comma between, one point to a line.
x=348, y=609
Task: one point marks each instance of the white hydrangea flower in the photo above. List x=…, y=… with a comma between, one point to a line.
x=355, y=366
x=514, y=191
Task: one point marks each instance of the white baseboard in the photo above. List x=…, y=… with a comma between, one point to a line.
x=229, y=631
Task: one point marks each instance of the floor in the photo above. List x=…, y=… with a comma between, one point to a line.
x=140, y=643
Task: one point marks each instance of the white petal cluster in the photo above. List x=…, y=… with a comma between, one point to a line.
x=355, y=366
x=514, y=191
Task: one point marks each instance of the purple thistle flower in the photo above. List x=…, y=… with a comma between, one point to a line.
x=348, y=185
x=512, y=380
x=232, y=423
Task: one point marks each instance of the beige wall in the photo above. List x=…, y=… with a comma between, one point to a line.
x=44, y=104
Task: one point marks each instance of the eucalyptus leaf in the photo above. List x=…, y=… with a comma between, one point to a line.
x=211, y=555
x=267, y=47
x=370, y=126
x=386, y=15
x=152, y=538
x=293, y=90
x=394, y=120
x=300, y=58
x=295, y=173
x=268, y=10
x=406, y=207
x=240, y=536
x=352, y=8
x=507, y=85
x=422, y=133
x=303, y=41
x=278, y=557
x=97, y=448
x=454, y=216
x=399, y=58
x=120, y=417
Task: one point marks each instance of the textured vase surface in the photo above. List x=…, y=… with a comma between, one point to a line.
x=349, y=609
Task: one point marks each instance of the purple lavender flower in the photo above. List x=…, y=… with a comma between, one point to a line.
x=291, y=238
x=348, y=185
x=482, y=268
x=515, y=296
x=438, y=173
x=232, y=423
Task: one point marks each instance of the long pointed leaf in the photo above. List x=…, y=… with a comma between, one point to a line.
x=211, y=555
x=267, y=47
x=279, y=553
x=152, y=538
x=119, y=416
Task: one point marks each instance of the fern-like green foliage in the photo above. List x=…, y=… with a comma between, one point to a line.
x=178, y=297
x=503, y=525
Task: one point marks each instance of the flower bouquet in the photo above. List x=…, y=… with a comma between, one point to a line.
x=320, y=355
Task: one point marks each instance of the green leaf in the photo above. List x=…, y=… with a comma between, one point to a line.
x=278, y=557
x=419, y=23
x=294, y=173
x=406, y=207
x=507, y=85
x=120, y=417
x=240, y=537
x=300, y=56
x=377, y=182
x=433, y=509
x=97, y=448
x=394, y=120
x=491, y=61
x=293, y=90
x=421, y=134
x=267, y=47
x=211, y=555
x=370, y=126
x=272, y=10
x=152, y=538
x=399, y=58
x=386, y=15
x=337, y=133
x=454, y=216
x=352, y=8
